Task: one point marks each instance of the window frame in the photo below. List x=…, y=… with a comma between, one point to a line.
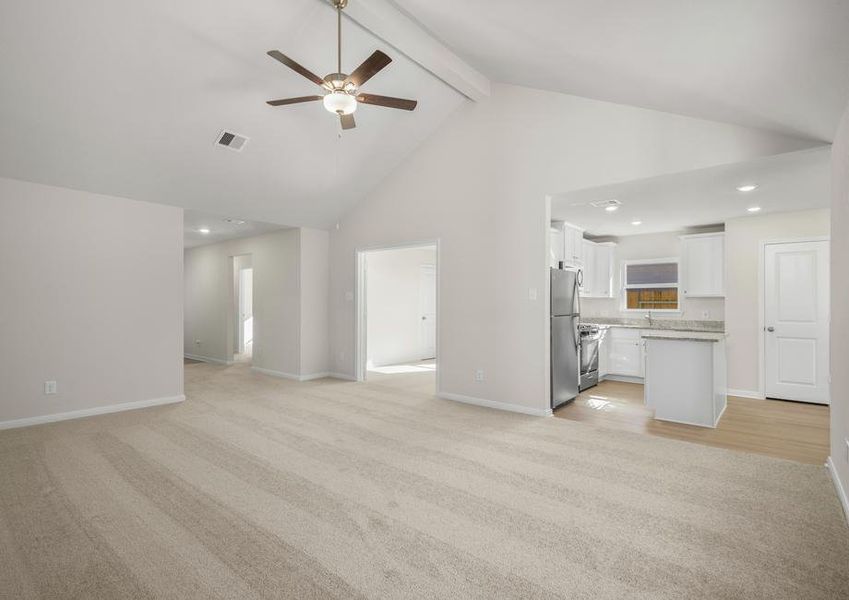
x=624, y=287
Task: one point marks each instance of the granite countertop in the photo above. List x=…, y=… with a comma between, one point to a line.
x=678, y=325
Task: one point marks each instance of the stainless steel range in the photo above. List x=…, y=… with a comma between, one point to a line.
x=590, y=335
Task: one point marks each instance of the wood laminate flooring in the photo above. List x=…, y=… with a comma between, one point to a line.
x=790, y=430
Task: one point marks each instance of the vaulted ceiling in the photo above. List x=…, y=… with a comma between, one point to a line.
x=126, y=98
x=774, y=64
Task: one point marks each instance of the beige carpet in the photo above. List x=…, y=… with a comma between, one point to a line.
x=262, y=488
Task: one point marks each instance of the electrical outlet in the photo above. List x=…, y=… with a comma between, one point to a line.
x=479, y=375
x=706, y=314
x=197, y=342
x=49, y=387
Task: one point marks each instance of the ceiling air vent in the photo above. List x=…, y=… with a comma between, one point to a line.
x=231, y=141
x=605, y=203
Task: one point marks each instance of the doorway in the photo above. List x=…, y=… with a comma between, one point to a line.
x=398, y=316
x=243, y=286
x=796, y=316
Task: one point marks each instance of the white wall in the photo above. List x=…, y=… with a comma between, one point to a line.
x=840, y=307
x=639, y=247
x=279, y=289
x=315, y=290
x=743, y=238
x=394, y=310
x=92, y=298
x=478, y=184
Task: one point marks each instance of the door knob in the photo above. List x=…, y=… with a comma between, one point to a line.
x=770, y=329
x=424, y=318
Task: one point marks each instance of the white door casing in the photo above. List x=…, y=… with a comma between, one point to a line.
x=427, y=304
x=246, y=315
x=796, y=317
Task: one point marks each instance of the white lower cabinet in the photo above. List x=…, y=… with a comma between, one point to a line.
x=625, y=352
x=603, y=352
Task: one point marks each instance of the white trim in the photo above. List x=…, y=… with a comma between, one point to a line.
x=722, y=412
x=623, y=378
x=751, y=394
x=762, y=300
x=838, y=485
x=361, y=315
x=208, y=359
x=517, y=408
x=343, y=376
x=292, y=376
x=90, y=412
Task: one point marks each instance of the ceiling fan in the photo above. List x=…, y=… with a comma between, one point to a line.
x=343, y=91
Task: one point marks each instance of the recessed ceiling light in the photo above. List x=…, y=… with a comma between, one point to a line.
x=611, y=208
x=636, y=222
x=235, y=221
x=749, y=187
x=753, y=208
x=203, y=230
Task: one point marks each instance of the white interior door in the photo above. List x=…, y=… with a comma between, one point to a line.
x=796, y=314
x=246, y=308
x=427, y=302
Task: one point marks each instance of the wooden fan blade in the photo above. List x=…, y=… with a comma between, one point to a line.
x=370, y=67
x=347, y=121
x=293, y=100
x=387, y=101
x=279, y=56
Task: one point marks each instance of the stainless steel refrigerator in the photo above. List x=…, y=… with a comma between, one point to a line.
x=565, y=339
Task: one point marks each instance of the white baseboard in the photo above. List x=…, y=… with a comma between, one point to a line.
x=838, y=485
x=624, y=378
x=292, y=376
x=753, y=394
x=343, y=376
x=313, y=376
x=208, y=359
x=517, y=408
x=89, y=412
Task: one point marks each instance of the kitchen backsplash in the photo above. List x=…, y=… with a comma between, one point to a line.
x=692, y=309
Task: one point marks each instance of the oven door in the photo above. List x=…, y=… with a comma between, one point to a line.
x=589, y=354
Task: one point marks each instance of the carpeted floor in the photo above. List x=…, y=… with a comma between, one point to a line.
x=262, y=488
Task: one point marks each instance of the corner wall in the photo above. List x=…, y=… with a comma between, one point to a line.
x=743, y=238
x=479, y=186
x=92, y=299
x=839, y=460
x=289, y=301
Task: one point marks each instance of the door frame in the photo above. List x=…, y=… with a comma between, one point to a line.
x=762, y=301
x=361, y=320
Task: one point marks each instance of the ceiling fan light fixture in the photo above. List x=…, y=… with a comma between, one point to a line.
x=340, y=103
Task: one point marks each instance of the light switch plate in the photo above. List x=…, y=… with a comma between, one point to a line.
x=532, y=293
x=479, y=375
x=49, y=387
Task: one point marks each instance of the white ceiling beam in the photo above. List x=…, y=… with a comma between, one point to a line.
x=393, y=26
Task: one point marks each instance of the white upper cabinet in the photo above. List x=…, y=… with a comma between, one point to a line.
x=703, y=265
x=573, y=245
x=598, y=270
x=556, y=246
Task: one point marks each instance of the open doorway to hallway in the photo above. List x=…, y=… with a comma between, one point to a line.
x=399, y=316
x=243, y=277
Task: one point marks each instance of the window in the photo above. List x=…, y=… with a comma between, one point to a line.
x=651, y=284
